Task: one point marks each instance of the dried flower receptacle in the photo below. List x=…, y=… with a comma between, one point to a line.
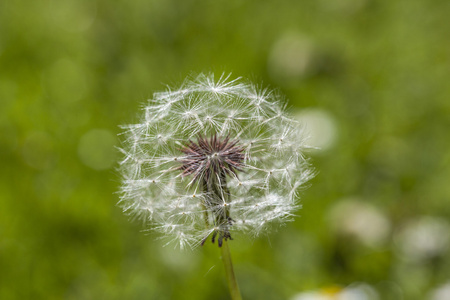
x=210, y=161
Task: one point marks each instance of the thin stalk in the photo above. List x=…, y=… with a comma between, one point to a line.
x=231, y=278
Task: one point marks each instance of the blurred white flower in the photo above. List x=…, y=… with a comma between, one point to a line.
x=213, y=157
x=359, y=219
x=314, y=296
x=356, y=291
x=423, y=238
x=441, y=293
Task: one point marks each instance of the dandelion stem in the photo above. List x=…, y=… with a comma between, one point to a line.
x=231, y=278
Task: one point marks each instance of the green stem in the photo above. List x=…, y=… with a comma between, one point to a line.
x=231, y=279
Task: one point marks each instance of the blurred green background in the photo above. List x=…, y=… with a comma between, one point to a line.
x=370, y=78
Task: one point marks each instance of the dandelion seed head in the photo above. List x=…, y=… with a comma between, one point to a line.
x=214, y=157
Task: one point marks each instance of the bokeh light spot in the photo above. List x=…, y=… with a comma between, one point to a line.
x=321, y=127
x=65, y=81
x=96, y=149
x=291, y=58
x=38, y=150
x=73, y=16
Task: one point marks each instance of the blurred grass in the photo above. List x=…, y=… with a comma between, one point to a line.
x=72, y=71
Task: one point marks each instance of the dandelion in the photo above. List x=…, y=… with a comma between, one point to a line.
x=213, y=158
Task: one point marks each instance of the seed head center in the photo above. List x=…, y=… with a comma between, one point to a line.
x=212, y=156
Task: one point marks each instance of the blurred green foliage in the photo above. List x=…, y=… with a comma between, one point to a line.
x=72, y=71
